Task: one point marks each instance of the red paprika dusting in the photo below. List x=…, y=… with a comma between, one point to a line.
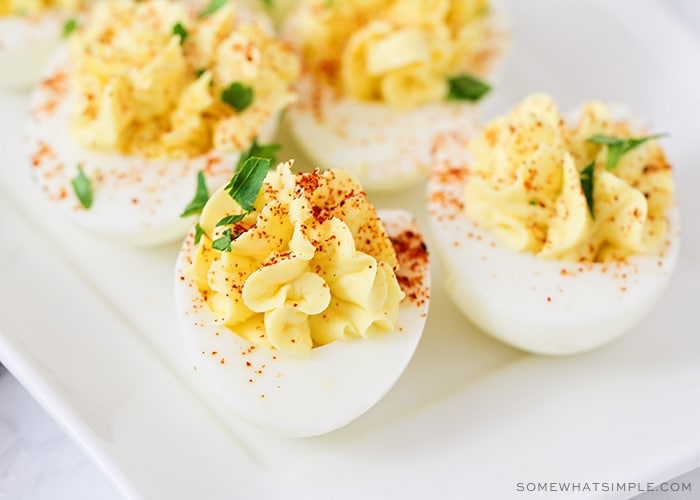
x=413, y=258
x=56, y=83
x=44, y=151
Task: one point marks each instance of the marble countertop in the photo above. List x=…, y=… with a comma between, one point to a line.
x=39, y=462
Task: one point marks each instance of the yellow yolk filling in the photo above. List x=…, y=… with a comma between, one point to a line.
x=311, y=264
x=145, y=90
x=400, y=52
x=525, y=185
x=25, y=7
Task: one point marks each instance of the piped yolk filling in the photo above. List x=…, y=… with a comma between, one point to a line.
x=311, y=264
x=525, y=185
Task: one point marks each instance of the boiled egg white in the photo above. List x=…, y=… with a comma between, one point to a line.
x=26, y=44
x=538, y=305
x=339, y=382
x=386, y=149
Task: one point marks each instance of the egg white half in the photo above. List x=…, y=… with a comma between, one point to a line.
x=542, y=306
x=303, y=397
x=386, y=149
x=137, y=201
x=26, y=44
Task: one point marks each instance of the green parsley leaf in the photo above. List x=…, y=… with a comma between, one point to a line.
x=244, y=188
x=200, y=197
x=238, y=96
x=245, y=184
x=587, y=185
x=231, y=219
x=268, y=3
x=181, y=31
x=213, y=6
x=261, y=151
x=83, y=188
x=199, y=72
x=484, y=10
x=198, y=232
x=223, y=244
x=467, y=88
x=618, y=147
x=69, y=27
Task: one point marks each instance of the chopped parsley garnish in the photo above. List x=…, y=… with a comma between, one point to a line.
x=199, y=72
x=484, y=10
x=244, y=188
x=467, y=88
x=238, y=96
x=213, y=6
x=231, y=219
x=587, y=185
x=245, y=184
x=200, y=197
x=198, y=232
x=268, y=3
x=618, y=147
x=83, y=188
x=181, y=31
x=69, y=27
x=223, y=243
x=261, y=151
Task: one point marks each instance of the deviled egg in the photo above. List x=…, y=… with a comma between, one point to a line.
x=300, y=305
x=555, y=237
x=30, y=31
x=149, y=106
x=382, y=79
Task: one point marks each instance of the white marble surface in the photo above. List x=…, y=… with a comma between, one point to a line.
x=39, y=462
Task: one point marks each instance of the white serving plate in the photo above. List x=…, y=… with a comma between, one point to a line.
x=89, y=329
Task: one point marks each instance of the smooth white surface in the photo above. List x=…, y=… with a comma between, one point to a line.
x=470, y=417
